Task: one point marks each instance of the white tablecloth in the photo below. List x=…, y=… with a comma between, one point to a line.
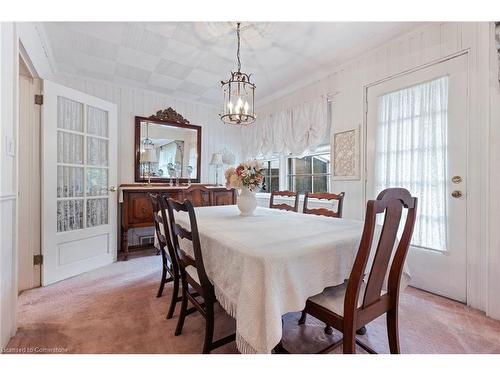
x=267, y=265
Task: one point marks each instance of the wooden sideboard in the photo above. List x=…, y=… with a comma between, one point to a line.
x=137, y=211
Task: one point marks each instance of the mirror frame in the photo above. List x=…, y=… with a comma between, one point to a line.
x=138, y=120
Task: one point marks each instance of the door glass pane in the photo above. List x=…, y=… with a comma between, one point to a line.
x=411, y=152
x=69, y=114
x=69, y=182
x=90, y=150
x=97, y=151
x=97, y=181
x=69, y=148
x=97, y=212
x=97, y=121
x=69, y=215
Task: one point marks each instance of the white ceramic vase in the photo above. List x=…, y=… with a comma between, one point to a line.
x=247, y=202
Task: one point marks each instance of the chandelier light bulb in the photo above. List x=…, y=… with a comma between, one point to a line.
x=239, y=105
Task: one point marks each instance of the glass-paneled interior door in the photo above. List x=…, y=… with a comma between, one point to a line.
x=79, y=205
x=416, y=138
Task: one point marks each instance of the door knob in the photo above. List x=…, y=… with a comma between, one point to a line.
x=456, y=194
x=456, y=179
x=112, y=189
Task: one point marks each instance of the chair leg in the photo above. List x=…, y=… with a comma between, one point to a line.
x=173, y=301
x=303, y=317
x=392, y=331
x=349, y=340
x=162, y=282
x=209, y=328
x=182, y=314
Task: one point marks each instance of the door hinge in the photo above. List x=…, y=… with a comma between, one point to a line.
x=38, y=259
x=39, y=99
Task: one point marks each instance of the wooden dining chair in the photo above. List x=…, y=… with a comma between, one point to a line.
x=193, y=275
x=352, y=305
x=199, y=195
x=339, y=198
x=170, y=268
x=284, y=206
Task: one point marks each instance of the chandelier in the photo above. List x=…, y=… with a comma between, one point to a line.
x=239, y=95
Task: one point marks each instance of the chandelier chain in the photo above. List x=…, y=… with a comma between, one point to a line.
x=238, y=53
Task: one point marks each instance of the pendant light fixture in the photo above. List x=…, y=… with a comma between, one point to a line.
x=239, y=95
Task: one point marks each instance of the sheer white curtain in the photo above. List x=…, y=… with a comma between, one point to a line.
x=411, y=152
x=167, y=154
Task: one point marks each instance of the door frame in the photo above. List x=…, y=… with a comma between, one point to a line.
x=27, y=255
x=475, y=253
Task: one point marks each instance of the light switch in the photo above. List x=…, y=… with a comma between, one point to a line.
x=10, y=146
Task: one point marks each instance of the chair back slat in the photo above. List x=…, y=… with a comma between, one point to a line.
x=324, y=211
x=183, y=232
x=160, y=217
x=391, y=203
x=193, y=235
x=284, y=206
x=383, y=252
x=186, y=258
x=199, y=195
x=160, y=220
x=177, y=206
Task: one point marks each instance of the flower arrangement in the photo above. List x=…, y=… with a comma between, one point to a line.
x=249, y=175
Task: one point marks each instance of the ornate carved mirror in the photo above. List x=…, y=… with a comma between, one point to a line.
x=167, y=147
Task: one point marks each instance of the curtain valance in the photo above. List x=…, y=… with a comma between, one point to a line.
x=292, y=131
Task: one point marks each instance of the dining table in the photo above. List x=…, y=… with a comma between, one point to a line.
x=266, y=265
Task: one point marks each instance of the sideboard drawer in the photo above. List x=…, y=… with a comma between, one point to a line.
x=223, y=198
x=141, y=209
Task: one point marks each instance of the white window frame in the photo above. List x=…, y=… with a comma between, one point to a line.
x=321, y=151
x=280, y=178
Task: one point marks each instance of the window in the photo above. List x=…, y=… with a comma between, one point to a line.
x=310, y=173
x=411, y=152
x=271, y=176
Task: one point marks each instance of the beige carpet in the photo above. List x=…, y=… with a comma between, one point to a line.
x=115, y=310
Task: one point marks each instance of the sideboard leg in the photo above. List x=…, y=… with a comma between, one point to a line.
x=125, y=244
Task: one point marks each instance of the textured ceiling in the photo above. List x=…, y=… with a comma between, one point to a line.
x=189, y=59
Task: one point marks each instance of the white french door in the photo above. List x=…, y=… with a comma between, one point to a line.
x=417, y=139
x=79, y=201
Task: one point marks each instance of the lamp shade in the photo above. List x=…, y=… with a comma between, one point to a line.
x=217, y=159
x=149, y=156
x=228, y=158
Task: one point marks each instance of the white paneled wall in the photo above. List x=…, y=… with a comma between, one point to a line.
x=137, y=102
x=8, y=195
x=426, y=45
x=348, y=82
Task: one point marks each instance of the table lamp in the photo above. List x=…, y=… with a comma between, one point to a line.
x=149, y=157
x=217, y=162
